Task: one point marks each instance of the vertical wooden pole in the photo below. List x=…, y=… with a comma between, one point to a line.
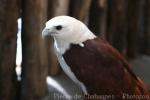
x=146, y=45
x=79, y=9
x=133, y=28
x=8, y=36
x=34, y=61
x=117, y=24
x=98, y=17
x=57, y=8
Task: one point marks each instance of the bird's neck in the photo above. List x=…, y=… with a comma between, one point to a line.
x=63, y=45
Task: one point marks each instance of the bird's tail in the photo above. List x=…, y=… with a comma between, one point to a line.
x=143, y=88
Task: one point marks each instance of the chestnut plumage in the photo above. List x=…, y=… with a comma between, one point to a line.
x=92, y=63
x=103, y=70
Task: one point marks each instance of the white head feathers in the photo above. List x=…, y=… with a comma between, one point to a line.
x=67, y=30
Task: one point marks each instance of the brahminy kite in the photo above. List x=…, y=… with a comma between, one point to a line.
x=92, y=63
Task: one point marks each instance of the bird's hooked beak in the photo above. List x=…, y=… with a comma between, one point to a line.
x=45, y=32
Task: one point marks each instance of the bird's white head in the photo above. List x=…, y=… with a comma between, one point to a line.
x=67, y=30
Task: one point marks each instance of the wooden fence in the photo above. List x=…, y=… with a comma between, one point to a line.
x=124, y=23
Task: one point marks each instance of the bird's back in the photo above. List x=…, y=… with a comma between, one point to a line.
x=103, y=70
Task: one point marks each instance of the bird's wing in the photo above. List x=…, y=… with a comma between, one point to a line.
x=100, y=66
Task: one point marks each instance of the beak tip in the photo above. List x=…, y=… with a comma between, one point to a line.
x=44, y=33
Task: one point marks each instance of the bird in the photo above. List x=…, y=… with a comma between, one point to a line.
x=92, y=63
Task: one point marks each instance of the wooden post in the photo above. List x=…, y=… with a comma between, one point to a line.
x=8, y=36
x=79, y=9
x=98, y=17
x=54, y=67
x=133, y=28
x=57, y=8
x=117, y=28
x=34, y=61
x=146, y=45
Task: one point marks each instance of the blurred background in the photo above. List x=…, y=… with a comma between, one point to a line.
x=28, y=66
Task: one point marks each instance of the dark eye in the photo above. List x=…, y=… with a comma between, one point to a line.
x=59, y=27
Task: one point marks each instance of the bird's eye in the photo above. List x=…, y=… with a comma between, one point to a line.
x=59, y=27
